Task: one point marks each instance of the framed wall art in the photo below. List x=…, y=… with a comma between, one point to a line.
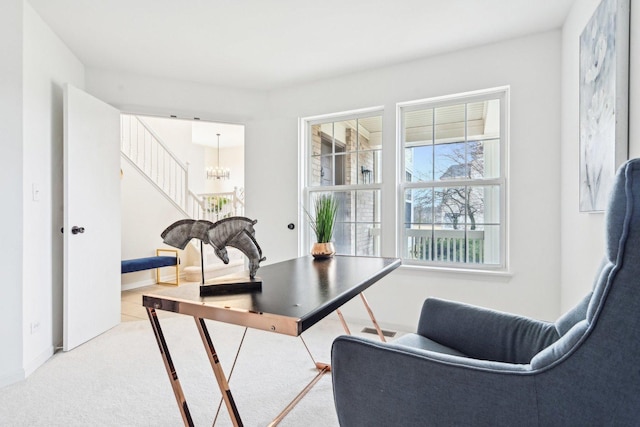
x=604, y=101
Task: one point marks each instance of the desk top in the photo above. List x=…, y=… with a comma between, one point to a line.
x=295, y=294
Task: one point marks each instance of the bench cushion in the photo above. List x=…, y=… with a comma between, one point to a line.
x=140, y=264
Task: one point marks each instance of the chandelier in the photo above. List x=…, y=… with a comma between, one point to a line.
x=218, y=172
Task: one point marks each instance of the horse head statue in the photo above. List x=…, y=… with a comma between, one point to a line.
x=236, y=231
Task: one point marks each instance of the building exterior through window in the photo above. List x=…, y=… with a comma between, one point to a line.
x=344, y=159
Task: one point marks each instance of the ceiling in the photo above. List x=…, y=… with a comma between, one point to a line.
x=270, y=44
x=205, y=133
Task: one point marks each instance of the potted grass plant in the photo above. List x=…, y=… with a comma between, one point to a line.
x=326, y=208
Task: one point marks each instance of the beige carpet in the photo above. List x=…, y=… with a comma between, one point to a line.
x=119, y=379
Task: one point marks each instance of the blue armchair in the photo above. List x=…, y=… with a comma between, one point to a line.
x=472, y=366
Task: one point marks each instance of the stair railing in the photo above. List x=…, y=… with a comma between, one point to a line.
x=196, y=206
x=216, y=206
x=151, y=156
x=146, y=151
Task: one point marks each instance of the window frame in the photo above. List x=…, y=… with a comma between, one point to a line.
x=501, y=93
x=306, y=237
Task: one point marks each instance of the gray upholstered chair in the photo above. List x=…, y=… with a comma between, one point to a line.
x=472, y=366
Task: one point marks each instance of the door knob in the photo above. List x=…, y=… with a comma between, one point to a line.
x=75, y=229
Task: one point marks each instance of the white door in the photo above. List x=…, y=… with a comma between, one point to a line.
x=91, y=217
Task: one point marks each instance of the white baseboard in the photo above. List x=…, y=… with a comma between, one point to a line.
x=38, y=361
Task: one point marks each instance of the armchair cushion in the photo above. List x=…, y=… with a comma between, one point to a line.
x=484, y=334
x=418, y=341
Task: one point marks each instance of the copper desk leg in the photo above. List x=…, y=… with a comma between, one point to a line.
x=219, y=373
x=373, y=319
x=322, y=369
x=171, y=371
x=344, y=324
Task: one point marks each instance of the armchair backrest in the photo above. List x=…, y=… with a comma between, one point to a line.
x=609, y=317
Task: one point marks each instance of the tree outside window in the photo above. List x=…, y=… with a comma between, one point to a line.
x=454, y=181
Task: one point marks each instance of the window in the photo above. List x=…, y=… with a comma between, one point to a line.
x=343, y=158
x=454, y=185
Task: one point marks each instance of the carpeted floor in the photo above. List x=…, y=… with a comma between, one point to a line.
x=119, y=379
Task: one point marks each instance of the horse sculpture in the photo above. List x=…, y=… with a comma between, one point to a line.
x=236, y=231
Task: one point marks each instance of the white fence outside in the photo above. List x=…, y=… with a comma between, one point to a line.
x=445, y=245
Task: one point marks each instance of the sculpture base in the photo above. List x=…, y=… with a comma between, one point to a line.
x=230, y=285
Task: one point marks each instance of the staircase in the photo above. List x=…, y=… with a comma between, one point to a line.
x=146, y=152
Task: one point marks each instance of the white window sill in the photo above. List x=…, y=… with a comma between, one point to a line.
x=463, y=271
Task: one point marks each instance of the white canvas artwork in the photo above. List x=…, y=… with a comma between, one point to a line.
x=604, y=64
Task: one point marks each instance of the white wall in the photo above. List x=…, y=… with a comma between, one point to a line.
x=531, y=66
x=35, y=64
x=540, y=159
x=583, y=233
x=145, y=214
x=48, y=64
x=162, y=98
x=11, y=128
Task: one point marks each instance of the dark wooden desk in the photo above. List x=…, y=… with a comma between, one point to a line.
x=295, y=295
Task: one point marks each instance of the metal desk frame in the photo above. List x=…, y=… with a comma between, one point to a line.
x=365, y=272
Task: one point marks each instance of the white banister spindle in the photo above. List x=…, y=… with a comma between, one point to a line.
x=185, y=190
x=164, y=171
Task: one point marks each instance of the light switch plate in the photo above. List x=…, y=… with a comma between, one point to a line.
x=35, y=191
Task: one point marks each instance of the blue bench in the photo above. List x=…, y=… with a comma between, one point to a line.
x=157, y=262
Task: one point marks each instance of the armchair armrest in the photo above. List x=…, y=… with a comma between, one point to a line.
x=485, y=334
x=379, y=384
